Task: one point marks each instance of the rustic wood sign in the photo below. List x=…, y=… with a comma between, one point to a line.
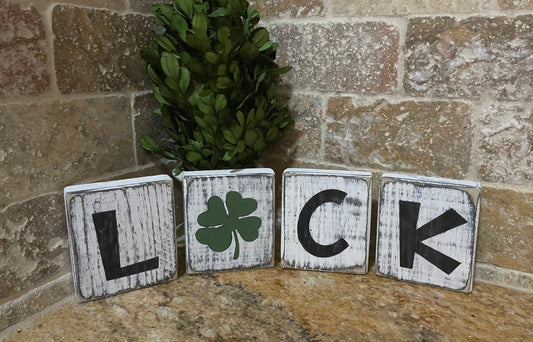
x=326, y=220
x=427, y=230
x=121, y=235
x=229, y=219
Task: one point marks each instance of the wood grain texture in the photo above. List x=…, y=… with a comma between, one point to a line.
x=198, y=188
x=435, y=196
x=144, y=209
x=330, y=222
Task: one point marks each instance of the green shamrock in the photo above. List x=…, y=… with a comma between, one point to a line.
x=222, y=225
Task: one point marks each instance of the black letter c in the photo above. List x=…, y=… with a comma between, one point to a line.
x=304, y=235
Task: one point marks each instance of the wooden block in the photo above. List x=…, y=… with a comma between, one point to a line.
x=121, y=235
x=427, y=229
x=229, y=219
x=326, y=220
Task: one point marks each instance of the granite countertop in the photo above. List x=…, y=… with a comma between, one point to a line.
x=289, y=305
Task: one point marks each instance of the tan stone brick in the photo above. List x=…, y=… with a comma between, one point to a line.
x=347, y=57
x=503, y=143
x=468, y=58
x=35, y=301
x=404, y=7
x=33, y=244
x=515, y=4
x=98, y=50
x=117, y=5
x=144, y=6
x=428, y=138
x=506, y=228
x=81, y=139
x=147, y=122
x=294, y=8
x=24, y=68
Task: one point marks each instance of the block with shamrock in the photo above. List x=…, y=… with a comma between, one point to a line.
x=229, y=219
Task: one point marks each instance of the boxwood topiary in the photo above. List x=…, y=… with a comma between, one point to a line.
x=214, y=73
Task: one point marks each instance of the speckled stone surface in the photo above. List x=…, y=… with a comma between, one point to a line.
x=288, y=305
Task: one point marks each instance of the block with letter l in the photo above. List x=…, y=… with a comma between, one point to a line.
x=121, y=235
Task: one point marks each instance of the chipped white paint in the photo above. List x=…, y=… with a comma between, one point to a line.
x=198, y=188
x=435, y=196
x=144, y=209
x=330, y=222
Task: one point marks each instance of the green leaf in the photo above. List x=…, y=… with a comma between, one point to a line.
x=223, y=34
x=228, y=156
x=259, y=146
x=272, y=134
x=219, y=12
x=180, y=25
x=201, y=122
x=193, y=157
x=208, y=137
x=249, y=138
x=220, y=103
x=241, y=146
x=148, y=143
x=249, y=51
x=240, y=118
x=166, y=43
x=197, y=145
x=171, y=83
x=284, y=123
x=221, y=71
x=250, y=119
x=224, y=82
x=200, y=22
x=152, y=74
x=170, y=65
x=279, y=71
x=237, y=131
x=204, y=108
x=229, y=136
x=260, y=37
x=159, y=97
x=185, y=6
x=211, y=57
x=265, y=46
x=184, y=80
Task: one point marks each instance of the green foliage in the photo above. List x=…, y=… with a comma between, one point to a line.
x=214, y=77
x=222, y=226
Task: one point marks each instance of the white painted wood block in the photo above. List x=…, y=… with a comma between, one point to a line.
x=121, y=235
x=326, y=220
x=229, y=219
x=427, y=230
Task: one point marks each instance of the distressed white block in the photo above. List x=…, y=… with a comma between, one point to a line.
x=326, y=220
x=229, y=219
x=121, y=235
x=427, y=229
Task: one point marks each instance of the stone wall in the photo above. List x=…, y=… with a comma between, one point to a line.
x=425, y=87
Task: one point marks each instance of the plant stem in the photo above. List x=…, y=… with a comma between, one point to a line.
x=236, y=253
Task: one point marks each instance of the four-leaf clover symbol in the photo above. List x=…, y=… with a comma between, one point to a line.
x=223, y=225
